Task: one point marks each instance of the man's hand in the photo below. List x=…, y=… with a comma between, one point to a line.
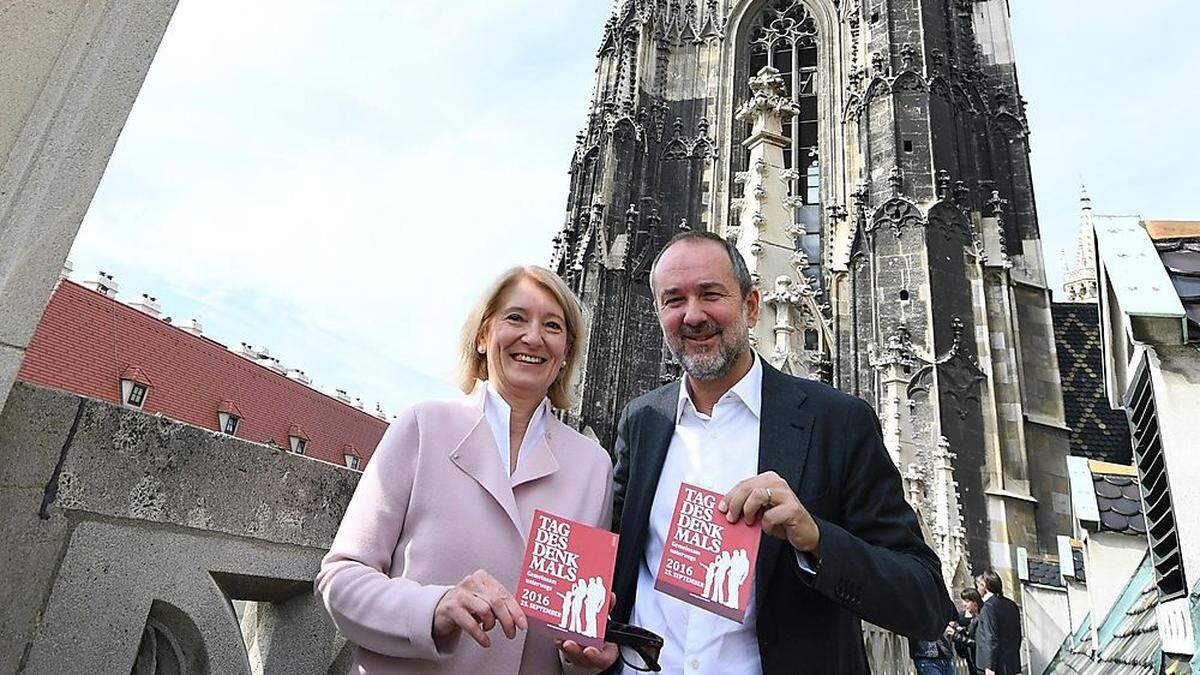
x=476, y=605
x=768, y=497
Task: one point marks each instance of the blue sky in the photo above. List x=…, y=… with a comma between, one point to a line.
x=337, y=181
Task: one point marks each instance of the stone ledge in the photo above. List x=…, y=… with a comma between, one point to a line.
x=125, y=463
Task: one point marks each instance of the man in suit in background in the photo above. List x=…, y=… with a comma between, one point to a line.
x=798, y=458
x=998, y=634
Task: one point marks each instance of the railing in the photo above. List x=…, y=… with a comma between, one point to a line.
x=887, y=653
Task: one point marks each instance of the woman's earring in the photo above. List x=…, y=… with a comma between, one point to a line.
x=481, y=349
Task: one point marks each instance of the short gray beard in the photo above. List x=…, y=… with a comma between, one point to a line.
x=709, y=367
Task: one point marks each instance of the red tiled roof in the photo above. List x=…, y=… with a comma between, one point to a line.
x=229, y=408
x=135, y=375
x=86, y=340
x=295, y=430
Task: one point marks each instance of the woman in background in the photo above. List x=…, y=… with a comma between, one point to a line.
x=964, y=634
x=433, y=540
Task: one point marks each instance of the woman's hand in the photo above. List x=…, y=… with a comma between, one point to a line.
x=476, y=605
x=590, y=657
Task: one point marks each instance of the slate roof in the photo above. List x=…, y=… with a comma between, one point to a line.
x=1120, y=503
x=1097, y=431
x=1181, y=258
x=1045, y=572
x=1077, y=558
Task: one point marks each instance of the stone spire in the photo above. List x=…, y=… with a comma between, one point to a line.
x=790, y=329
x=1079, y=277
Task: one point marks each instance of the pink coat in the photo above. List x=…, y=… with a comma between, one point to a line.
x=435, y=504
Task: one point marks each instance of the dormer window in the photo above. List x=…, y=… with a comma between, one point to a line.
x=350, y=457
x=228, y=418
x=134, y=387
x=297, y=439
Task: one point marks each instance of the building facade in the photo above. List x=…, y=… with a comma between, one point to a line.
x=90, y=343
x=870, y=160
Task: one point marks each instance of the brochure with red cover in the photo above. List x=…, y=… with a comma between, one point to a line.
x=565, y=582
x=708, y=561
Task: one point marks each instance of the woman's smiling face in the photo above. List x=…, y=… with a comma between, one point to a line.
x=526, y=341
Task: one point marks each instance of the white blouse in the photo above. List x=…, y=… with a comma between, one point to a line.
x=499, y=414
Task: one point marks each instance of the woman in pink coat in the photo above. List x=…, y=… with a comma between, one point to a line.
x=432, y=542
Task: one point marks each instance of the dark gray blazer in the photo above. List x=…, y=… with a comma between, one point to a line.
x=874, y=564
x=998, y=636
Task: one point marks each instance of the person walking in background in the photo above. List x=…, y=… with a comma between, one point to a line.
x=422, y=567
x=968, y=622
x=998, y=636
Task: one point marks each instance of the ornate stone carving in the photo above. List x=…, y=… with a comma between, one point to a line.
x=897, y=214
x=783, y=20
x=768, y=97
x=959, y=376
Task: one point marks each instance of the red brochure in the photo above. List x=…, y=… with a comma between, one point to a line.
x=708, y=562
x=565, y=583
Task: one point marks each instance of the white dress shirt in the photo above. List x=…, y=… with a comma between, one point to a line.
x=715, y=452
x=499, y=414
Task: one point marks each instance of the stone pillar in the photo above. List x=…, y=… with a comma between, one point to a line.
x=766, y=234
x=69, y=73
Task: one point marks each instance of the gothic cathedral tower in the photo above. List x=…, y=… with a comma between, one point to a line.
x=870, y=159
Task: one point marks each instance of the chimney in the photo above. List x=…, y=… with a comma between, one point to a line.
x=379, y=412
x=147, y=305
x=194, y=327
x=103, y=284
x=274, y=364
x=342, y=396
x=358, y=403
x=67, y=268
x=299, y=376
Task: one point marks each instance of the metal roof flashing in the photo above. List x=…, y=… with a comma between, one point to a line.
x=1134, y=268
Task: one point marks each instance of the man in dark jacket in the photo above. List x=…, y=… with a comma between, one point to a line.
x=794, y=457
x=998, y=637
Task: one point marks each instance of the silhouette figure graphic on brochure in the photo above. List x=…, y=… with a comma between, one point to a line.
x=723, y=578
x=592, y=602
x=581, y=606
x=739, y=569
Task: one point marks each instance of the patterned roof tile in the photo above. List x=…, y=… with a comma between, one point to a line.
x=1097, y=431
x=1120, y=502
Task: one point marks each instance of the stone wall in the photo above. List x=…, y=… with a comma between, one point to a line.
x=69, y=72
x=128, y=537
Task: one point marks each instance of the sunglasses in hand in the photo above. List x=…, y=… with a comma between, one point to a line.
x=638, y=648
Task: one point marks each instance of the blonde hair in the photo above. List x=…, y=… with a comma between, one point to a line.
x=472, y=365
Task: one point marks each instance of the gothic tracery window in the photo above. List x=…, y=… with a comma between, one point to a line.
x=783, y=36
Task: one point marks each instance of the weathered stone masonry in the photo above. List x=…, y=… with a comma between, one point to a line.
x=906, y=267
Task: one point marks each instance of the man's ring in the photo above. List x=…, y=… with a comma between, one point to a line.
x=768, y=496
